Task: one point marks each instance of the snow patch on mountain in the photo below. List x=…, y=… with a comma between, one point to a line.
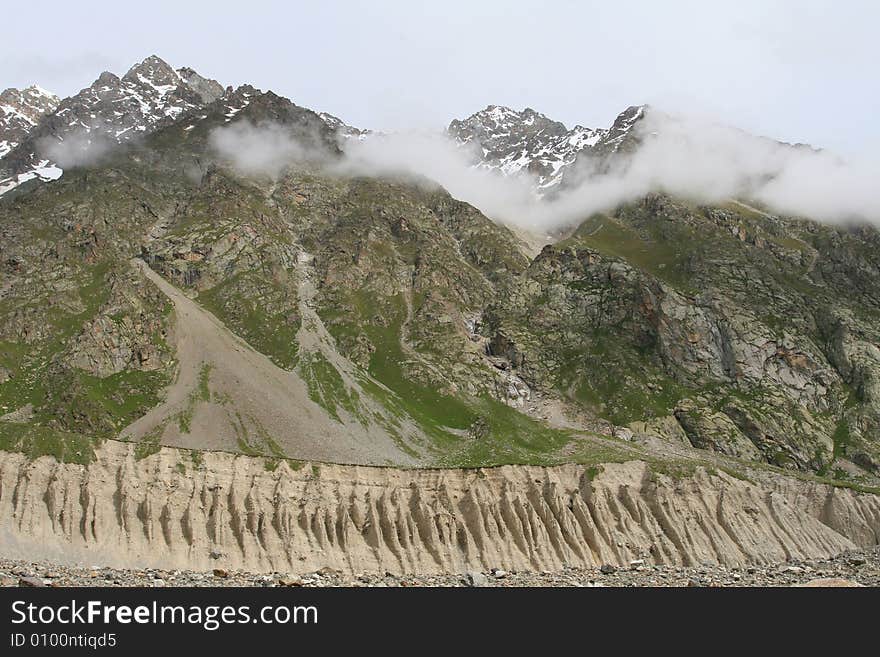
x=150, y=95
x=44, y=170
x=342, y=129
x=529, y=143
x=20, y=111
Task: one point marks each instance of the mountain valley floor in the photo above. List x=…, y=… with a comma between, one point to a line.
x=856, y=568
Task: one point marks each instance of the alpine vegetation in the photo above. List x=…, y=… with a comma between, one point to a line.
x=239, y=333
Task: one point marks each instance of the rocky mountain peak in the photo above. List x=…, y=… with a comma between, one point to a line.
x=105, y=79
x=20, y=111
x=512, y=142
x=31, y=102
x=155, y=73
x=153, y=67
x=158, y=74
x=342, y=129
x=497, y=120
x=622, y=128
x=209, y=90
x=150, y=95
x=145, y=97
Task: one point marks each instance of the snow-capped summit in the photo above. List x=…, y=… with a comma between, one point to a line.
x=148, y=95
x=151, y=94
x=341, y=128
x=511, y=142
x=20, y=111
x=620, y=137
x=37, y=132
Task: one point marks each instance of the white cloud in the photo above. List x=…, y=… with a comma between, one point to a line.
x=264, y=149
x=77, y=149
x=688, y=157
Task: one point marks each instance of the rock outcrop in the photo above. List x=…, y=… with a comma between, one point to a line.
x=20, y=111
x=52, y=135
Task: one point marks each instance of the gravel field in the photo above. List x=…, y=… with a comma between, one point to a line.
x=854, y=568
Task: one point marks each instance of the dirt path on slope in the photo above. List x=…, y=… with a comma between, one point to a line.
x=228, y=396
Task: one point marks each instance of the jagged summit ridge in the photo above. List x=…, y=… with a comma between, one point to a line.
x=342, y=129
x=20, y=111
x=152, y=94
x=512, y=142
x=622, y=128
x=149, y=95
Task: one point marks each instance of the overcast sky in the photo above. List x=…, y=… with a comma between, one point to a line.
x=798, y=70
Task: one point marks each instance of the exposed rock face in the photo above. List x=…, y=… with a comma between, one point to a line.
x=514, y=142
x=20, y=111
x=168, y=510
x=126, y=334
x=111, y=110
x=208, y=90
x=714, y=431
x=511, y=142
x=721, y=317
x=342, y=129
x=620, y=137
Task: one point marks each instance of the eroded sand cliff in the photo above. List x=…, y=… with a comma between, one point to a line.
x=170, y=511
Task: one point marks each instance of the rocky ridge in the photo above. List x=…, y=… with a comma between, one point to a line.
x=113, y=110
x=20, y=111
x=342, y=129
x=511, y=142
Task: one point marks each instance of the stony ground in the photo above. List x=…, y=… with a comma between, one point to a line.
x=854, y=568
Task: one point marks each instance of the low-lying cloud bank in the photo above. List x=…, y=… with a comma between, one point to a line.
x=707, y=161
x=265, y=149
x=78, y=149
x=685, y=157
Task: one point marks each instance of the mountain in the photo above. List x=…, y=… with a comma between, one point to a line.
x=511, y=142
x=297, y=268
x=175, y=293
x=342, y=129
x=20, y=111
x=111, y=109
